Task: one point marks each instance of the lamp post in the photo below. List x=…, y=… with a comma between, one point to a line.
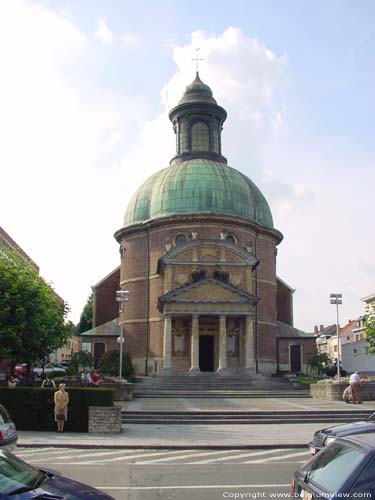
x=121, y=297
x=336, y=298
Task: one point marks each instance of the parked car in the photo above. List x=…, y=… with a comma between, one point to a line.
x=344, y=469
x=8, y=433
x=48, y=368
x=324, y=437
x=21, y=481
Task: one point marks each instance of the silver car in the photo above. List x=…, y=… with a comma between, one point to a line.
x=8, y=433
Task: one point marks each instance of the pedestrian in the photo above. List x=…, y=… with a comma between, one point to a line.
x=355, y=387
x=86, y=379
x=96, y=379
x=61, y=399
x=47, y=382
x=347, y=394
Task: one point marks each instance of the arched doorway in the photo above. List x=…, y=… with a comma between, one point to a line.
x=99, y=350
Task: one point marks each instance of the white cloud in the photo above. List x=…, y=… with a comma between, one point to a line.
x=103, y=33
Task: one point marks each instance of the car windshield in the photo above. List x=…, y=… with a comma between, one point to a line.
x=16, y=474
x=333, y=466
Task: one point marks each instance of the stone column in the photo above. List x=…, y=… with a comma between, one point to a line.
x=222, y=344
x=167, y=347
x=195, y=344
x=249, y=343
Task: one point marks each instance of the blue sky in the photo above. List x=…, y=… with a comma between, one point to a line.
x=85, y=91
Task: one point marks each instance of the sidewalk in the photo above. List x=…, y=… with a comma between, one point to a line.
x=200, y=436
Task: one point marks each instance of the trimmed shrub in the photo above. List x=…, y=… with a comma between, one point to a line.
x=110, y=361
x=31, y=408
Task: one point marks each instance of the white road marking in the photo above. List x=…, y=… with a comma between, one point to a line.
x=195, y=487
x=282, y=457
x=85, y=455
x=118, y=459
x=241, y=455
x=169, y=459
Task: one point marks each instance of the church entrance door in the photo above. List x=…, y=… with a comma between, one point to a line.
x=206, y=353
x=295, y=358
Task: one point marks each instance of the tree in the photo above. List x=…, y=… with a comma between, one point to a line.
x=370, y=327
x=109, y=364
x=81, y=359
x=85, y=321
x=32, y=319
x=317, y=362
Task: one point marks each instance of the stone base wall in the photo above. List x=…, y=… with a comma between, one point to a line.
x=124, y=390
x=104, y=419
x=333, y=392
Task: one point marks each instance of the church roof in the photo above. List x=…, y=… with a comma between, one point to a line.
x=198, y=186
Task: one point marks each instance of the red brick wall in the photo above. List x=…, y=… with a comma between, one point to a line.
x=105, y=305
x=284, y=301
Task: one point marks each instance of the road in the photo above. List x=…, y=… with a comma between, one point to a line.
x=175, y=474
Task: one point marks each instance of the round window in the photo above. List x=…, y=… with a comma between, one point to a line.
x=230, y=239
x=180, y=239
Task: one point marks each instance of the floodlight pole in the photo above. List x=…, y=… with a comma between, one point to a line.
x=121, y=297
x=336, y=298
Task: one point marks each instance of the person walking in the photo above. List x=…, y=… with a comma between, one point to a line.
x=47, y=382
x=355, y=387
x=61, y=399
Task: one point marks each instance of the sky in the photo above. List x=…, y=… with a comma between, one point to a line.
x=85, y=90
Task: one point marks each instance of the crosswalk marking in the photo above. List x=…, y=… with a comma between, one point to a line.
x=241, y=455
x=282, y=457
x=142, y=457
x=118, y=459
x=168, y=459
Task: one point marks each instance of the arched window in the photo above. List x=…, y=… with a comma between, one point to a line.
x=230, y=239
x=180, y=239
x=200, y=137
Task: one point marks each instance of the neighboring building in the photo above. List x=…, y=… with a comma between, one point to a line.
x=198, y=256
x=8, y=244
x=355, y=355
x=323, y=334
x=65, y=353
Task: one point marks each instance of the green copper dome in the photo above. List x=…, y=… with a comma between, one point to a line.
x=197, y=91
x=198, y=186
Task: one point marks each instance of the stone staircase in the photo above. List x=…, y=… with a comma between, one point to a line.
x=212, y=385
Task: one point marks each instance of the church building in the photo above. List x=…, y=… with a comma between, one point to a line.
x=198, y=257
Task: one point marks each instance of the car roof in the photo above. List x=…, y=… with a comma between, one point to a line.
x=366, y=439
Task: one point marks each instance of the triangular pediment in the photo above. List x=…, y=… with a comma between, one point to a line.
x=208, y=290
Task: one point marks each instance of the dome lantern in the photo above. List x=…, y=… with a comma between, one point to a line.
x=197, y=122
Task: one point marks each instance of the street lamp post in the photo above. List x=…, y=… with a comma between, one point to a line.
x=121, y=297
x=336, y=298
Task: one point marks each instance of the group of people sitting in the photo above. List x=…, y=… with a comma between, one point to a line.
x=88, y=380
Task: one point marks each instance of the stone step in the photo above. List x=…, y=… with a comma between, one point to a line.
x=220, y=394
x=237, y=418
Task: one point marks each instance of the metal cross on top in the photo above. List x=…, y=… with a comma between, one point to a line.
x=196, y=59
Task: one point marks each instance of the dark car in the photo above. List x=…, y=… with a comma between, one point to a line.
x=344, y=469
x=8, y=434
x=324, y=437
x=20, y=481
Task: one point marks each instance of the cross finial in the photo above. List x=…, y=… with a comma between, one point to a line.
x=196, y=59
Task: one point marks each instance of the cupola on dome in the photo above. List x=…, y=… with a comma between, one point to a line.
x=198, y=180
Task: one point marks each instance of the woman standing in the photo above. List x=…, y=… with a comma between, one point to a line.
x=61, y=399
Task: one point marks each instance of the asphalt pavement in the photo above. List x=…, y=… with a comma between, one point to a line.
x=200, y=436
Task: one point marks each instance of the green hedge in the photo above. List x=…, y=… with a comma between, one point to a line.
x=31, y=408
